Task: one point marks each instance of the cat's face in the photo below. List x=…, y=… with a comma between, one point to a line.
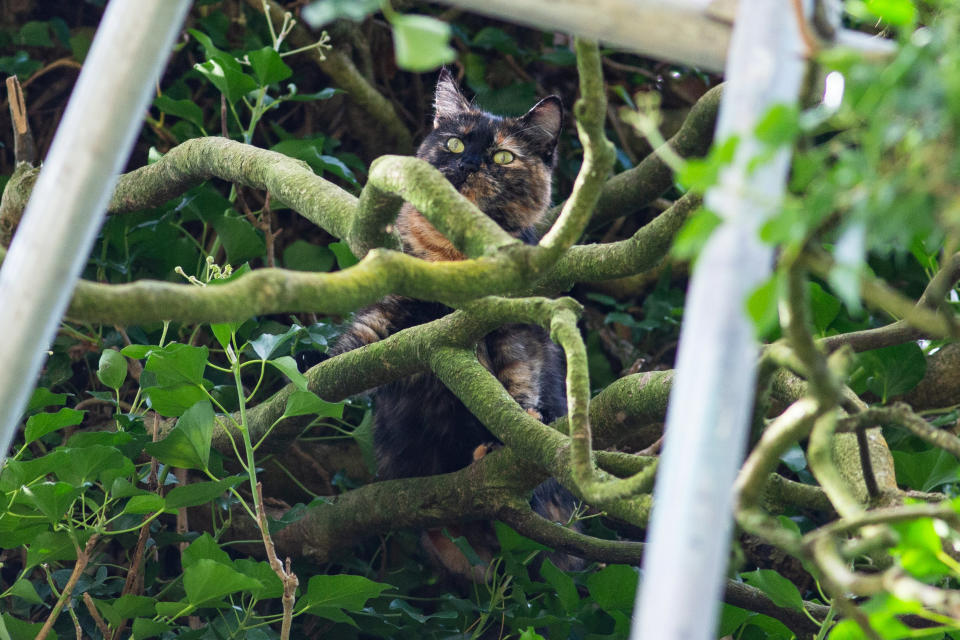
x=503, y=165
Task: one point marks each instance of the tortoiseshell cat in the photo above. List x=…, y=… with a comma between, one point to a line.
x=504, y=166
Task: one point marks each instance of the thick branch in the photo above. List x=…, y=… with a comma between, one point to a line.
x=627, y=192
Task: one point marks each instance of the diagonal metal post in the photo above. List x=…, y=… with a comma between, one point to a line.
x=61, y=220
x=712, y=397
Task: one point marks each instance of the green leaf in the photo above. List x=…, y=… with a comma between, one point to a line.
x=779, y=126
x=43, y=397
x=731, y=619
x=301, y=255
x=21, y=630
x=783, y=592
x=186, y=109
x=899, y=13
x=138, y=351
x=112, y=369
x=288, y=366
x=562, y=584
x=918, y=548
x=510, y=540
x=51, y=498
x=197, y=493
x=268, y=66
x=177, y=363
x=48, y=547
x=188, y=443
x=272, y=586
x=614, y=587
x=318, y=14
x=892, y=371
x=147, y=503
x=227, y=76
x=82, y=465
x=173, y=401
x=40, y=424
x=762, y=306
x=35, y=34
x=694, y=233
x=341, y=591
x=927, y=470
x=147, y=628
x=207, y=581
x=240, y=239
x=25, y=590
x=323, y=94
x=206, y=42
x=421, y=43
x=530, y=634
x=304, y=403
x=345, y=257
x=205, y=548
x=823, y=306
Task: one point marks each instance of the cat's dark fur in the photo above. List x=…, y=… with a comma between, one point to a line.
x=420, y=427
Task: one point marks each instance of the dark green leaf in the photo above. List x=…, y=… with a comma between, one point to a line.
x=21, y=630
x=731, y=619
x=762, y=306
x=40, y=424
x=261, y=571
x=147, y=628
x=186, y=109
x=188, y=443
x=49, y=546
x=86, y=464
x=35, y=34
x=562, y=584
x=614, y=587
x=301, y=255
x=927, y=470
x=824, y=307
x=894, y=370
x=112, y=369
x=241, y=241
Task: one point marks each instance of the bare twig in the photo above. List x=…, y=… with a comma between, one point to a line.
x=23, y=147
x=83, y=558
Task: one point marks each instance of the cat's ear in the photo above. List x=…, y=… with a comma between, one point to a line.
x=544, y=121
x=448, y=102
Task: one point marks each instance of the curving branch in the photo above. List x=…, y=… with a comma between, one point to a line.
x=598, y=154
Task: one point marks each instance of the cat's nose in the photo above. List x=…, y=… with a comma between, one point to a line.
x=470, y=163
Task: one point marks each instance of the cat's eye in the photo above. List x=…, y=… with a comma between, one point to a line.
x=455, y=145
x=503, y=157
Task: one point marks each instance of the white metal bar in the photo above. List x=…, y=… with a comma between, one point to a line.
x=712, y=395
x=91, y=145
x=691, y=32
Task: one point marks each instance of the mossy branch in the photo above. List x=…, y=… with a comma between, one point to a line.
x=598, y=154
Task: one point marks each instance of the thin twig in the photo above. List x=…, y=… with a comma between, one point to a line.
x=83, y=558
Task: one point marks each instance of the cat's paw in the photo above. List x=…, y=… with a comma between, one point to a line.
x=484, y=449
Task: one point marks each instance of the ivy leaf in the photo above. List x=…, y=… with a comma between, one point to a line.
x=345, y=257
x=208, y=580
x=177, y=363
x=899, y=13
x=614, y=587
x=562, y=584
x=421, y=43
x=268, y=66
x=304, y=403
x=891, y=371
x=186, y=109
x=40, y=424
x=227, y=76
x=340, y=592
x=783, y=592
x=288, y=366
x=188, y=443
x=173, y=401
x=51, y=498
x=197, y=493
x=112, y=369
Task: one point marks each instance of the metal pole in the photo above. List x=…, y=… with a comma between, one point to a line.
x=712, y=395
x=61, y=220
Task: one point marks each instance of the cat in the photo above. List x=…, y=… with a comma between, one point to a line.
x=504, y=166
